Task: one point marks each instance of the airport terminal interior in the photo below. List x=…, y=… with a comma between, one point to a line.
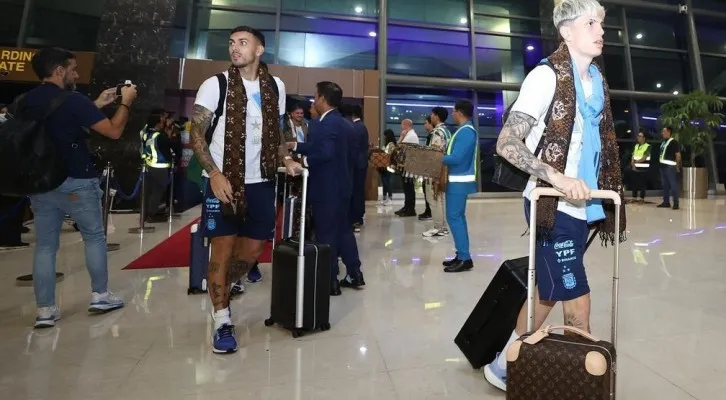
x=393, y=339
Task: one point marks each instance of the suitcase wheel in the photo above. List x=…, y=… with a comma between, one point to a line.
x=269, y=322
x=191, y=291
x=296, y=333
x=325, y=326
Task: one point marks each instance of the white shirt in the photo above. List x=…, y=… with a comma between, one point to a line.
x=208, y=97
x=535, y=97
x=411, y=137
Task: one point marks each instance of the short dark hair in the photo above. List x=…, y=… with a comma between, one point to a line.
x=355, y=111
x=668, y=128
x=257, y=34
x=465, y=108
x=428, y=119
x=294, y=106
x=331, y=92
x=46, y=60
x=441, y=113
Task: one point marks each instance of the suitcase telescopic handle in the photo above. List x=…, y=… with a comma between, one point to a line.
x=535, y=195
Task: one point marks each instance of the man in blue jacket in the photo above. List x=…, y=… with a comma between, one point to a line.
x=360, y=166
x=461, y=154
x=327, y=155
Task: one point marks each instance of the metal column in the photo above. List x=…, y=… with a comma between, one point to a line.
x=23, y=31
x=382, y=62
x=695, y=53
x=475, y=96
x=277, y=31
x=634, y=114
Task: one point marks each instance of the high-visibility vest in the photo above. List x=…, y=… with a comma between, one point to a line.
x=149, y=151
x=468, y=177
x=639, y=152
x=663, y=148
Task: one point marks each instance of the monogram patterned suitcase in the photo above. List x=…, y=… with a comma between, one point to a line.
x=543, y=365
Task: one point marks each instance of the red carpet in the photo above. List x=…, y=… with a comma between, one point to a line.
x=174, y=252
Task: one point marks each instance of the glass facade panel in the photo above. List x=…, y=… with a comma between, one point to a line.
x=12, y=15
x=658, y=71
x=613, y=64
x=657, y=29
x=508, y=59
x=71, y=24
x=211, y=38
x=238, y=3
x=359, y=8
x=714, y=74
x=711, y=35
x=442, y=12
x=428, y=52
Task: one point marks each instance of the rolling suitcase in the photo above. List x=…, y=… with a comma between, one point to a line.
x=542, y=365
x=300, y=299
x=198, y=261
x=492, y=321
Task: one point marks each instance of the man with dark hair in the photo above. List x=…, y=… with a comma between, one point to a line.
x=327, y=153
x=461, y=154
x=156, y=153
x=359, y=145
x=79, y=195
x=670, y=166
x=440, y=136
x=240, y=165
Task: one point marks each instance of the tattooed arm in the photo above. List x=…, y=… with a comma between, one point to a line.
x=510, y=145
x=201, y=120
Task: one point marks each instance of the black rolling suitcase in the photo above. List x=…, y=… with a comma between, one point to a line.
x=492, y=321
x=300, y=298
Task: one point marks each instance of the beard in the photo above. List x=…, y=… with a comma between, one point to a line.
x=70, y=86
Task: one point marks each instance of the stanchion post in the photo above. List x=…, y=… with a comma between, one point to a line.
x=107, y=206
x=171, y=191
x=142, y=214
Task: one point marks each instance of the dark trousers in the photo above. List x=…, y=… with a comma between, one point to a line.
x=332, y=227
x=386, y=183
x=639, y=183
x=11, y=220
x=409, y=194
x=358, y=201
x=426, y=200
x=669, y=180
x=156, y=182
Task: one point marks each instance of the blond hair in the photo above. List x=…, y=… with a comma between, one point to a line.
x=568, y=10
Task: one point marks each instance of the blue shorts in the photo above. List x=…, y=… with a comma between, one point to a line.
x=560, y=262
x=259, y=223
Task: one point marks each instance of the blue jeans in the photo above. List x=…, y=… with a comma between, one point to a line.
x=81, y=199
x=669, y=180
x=386, y=183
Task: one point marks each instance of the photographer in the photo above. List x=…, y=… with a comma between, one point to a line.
x=80, y=195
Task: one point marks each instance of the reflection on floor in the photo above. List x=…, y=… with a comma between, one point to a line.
x=393, y=340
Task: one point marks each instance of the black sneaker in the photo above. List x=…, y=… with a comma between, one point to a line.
x=664, y=205
x=675, y=206
x=425, y=216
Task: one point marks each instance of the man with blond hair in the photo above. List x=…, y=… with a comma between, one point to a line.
x=579, y=154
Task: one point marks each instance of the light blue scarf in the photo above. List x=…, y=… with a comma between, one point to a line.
x=590, y=111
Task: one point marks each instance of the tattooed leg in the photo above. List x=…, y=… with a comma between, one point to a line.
x=246, y=253
x=218, y=271
x=577, y=312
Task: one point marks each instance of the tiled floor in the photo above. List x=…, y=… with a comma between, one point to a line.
x=393, y=340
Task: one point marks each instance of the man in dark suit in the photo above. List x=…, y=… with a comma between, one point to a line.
x=327, y=155
x=360, y=165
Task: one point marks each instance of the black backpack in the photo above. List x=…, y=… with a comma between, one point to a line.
x=220, y=103
x=29, y=156
x=506, y=174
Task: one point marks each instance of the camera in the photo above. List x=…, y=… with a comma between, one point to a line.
x=118, y=87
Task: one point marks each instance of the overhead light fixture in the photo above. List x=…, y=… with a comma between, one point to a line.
x=676, y=93
x=530, y=47
x=659, y=85
x=463, y=20
x=372, y=34
x=358, y=9
x=639, y=36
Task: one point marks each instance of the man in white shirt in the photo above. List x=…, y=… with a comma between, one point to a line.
x=240, y=157
x=559, y=264
x=408, y=135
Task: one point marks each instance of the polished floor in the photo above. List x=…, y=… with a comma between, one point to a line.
x=393, y=340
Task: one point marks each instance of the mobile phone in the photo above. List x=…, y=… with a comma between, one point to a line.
x=119, y=86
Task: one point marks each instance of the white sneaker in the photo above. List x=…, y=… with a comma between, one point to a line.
x=388, y=202
x=105, y=302
x=46, y=317
x=433, y=233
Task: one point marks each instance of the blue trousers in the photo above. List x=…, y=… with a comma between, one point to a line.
x=332, y=227
x=669, y=180
x=456, y=217
x=358, y=201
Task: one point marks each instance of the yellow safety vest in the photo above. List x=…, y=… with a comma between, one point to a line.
x=639, y=152
x=663, y=148
x=149, y=151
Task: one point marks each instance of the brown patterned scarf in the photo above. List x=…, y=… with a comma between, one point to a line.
x=557, y=144
x=235, y=135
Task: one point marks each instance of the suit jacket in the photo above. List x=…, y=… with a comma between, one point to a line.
x=327, y=152
x=361, y=141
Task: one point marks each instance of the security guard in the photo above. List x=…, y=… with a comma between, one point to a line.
x=670, y=166
x=640, y=164
x=156, y=152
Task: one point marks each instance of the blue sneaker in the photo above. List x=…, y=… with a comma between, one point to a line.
x=254, y=275
x=224, y=340
x=105, y=302
x=495, y=374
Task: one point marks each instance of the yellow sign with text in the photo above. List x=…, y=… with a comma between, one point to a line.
x=15, y=65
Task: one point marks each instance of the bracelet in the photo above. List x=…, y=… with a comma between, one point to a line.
x=124, y=105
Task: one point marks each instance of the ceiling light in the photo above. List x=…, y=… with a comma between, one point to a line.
x=676, y=93
x=358, y=9
x=659, y=85
x=463, y=20
x=639, y=36
x=372, y=34
x=530, y=47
